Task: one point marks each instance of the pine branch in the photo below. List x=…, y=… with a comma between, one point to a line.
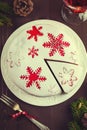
x=74, y=126
x=6, y=8
x=5, y=20
x=78, y=109
x=5, y=12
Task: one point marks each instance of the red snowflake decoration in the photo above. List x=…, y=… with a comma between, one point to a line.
x=56, y=44
x=33, y=77
x=35, y=32
x=33, y=52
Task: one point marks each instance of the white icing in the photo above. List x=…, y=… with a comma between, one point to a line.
x=19, y=59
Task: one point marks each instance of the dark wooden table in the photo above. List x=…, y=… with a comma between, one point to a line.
x=55, y=117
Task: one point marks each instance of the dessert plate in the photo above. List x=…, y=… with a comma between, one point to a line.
x=44, y=62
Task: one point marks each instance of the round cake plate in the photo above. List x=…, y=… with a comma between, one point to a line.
x=35, y=100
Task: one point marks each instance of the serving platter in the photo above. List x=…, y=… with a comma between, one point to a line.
x=76, y=58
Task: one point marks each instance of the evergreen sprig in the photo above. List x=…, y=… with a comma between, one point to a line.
x=5, y=12
x=74, y=126
x=5, y=8
x=78, y=108
x=5, y=20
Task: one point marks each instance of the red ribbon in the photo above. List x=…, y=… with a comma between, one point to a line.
x=18, y=114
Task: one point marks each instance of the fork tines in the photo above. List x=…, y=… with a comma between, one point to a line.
x=8, y=101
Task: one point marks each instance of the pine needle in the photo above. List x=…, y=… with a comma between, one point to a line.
x=74, y=126
x=5, y=8
x=5, y=12
x=5, y=20
x=78, y=108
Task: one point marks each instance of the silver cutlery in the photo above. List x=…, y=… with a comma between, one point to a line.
x=16, y=107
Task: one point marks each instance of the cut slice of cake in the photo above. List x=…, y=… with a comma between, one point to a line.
x=66, y=74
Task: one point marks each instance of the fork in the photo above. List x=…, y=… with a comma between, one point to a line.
x=16, y=107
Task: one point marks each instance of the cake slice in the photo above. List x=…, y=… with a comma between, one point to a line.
x=66, y=74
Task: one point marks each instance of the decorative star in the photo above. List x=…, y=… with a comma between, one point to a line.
x=73, y=56
x=35, y=32
x=56, y=44
x=33, y=52
x=33, y=77
x=67, y=77
x=12, y=62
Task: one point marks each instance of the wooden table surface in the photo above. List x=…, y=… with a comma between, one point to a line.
x=55, y=117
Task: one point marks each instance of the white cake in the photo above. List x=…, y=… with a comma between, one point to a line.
x=44, y=59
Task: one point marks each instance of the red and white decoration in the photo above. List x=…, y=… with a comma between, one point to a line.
x=44, y=60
